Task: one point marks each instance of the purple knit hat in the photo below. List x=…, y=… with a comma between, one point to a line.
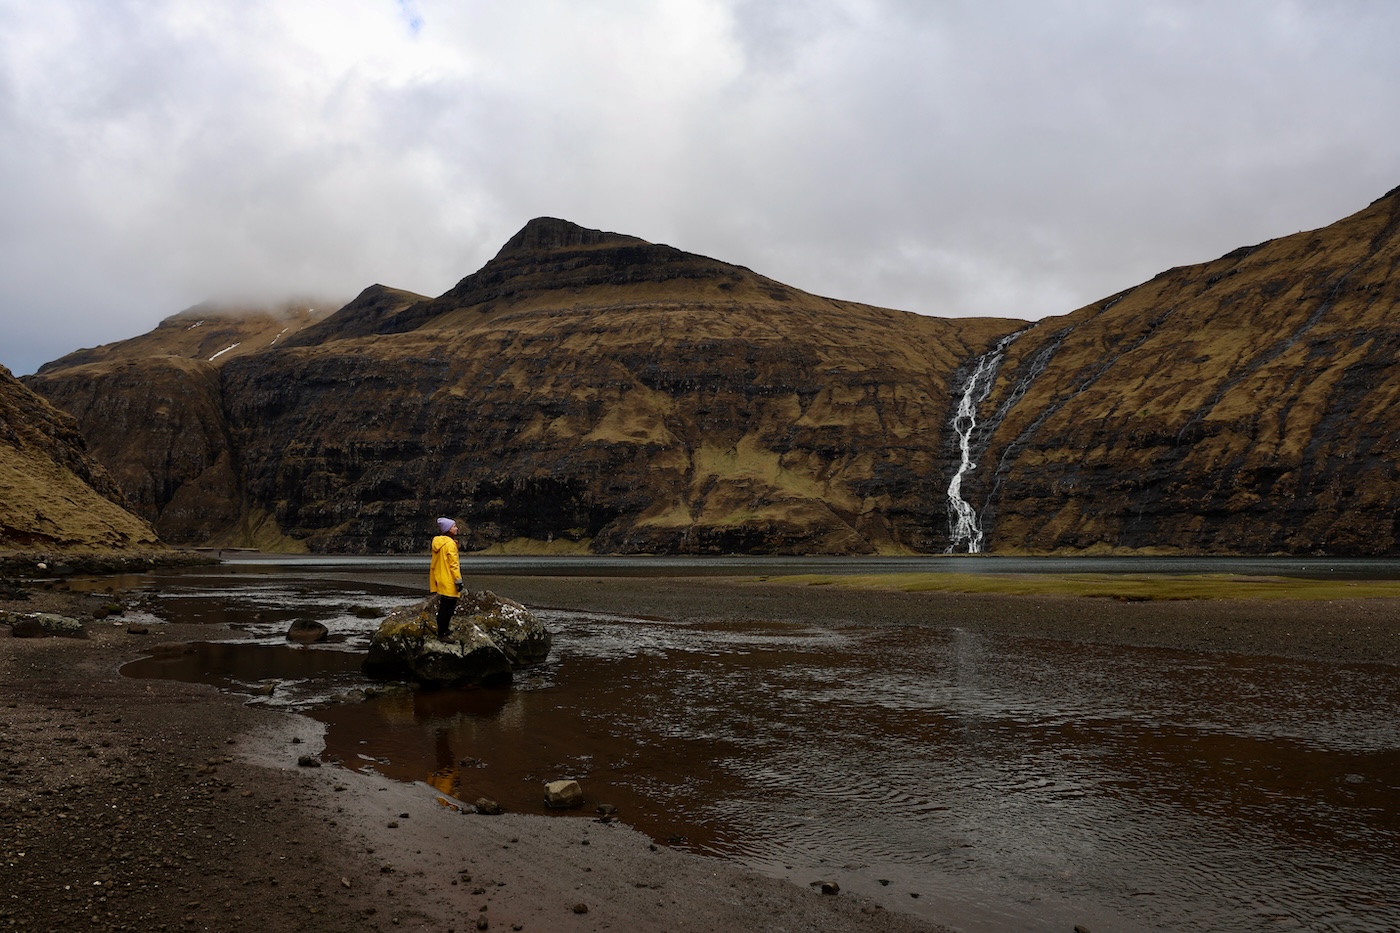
x=445, y=525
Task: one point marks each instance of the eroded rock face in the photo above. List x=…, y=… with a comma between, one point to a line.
x=490, y=639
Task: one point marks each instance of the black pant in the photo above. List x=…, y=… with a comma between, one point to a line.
x=446, y=605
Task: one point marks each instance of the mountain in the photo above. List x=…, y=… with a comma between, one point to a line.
x=1242, y=406
x=53, y=495
x=589, y=391
x=582, y=391
x=210, y=331
x=152, y=409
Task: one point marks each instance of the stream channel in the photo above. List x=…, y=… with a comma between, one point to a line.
x=995, y=783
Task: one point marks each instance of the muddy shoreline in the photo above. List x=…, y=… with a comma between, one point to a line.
x=161, y=805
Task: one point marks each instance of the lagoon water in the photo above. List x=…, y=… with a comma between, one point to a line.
x=996, y=783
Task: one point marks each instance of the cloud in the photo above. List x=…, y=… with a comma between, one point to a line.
x=1019, y=158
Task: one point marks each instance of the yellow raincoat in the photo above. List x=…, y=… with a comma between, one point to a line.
x=446, y=569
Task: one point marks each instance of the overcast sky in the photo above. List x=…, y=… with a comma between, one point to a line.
x=954, y=157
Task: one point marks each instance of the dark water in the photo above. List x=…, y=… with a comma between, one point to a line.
x=1011, y=783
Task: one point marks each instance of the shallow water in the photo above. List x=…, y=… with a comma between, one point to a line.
x=1010, y=783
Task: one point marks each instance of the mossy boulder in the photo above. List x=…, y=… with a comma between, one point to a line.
x=490, y=638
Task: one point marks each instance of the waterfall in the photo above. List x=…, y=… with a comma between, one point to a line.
x=966, y=528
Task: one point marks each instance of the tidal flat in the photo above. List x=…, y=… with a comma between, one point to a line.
x=1015, y=761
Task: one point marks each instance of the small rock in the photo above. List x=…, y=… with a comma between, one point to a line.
x=308, y=761
x=1080, y=929
x=580, y=908
x=138, y=630
x=487, y=807
x=827, y=887
x=606, y=809
x=562, y=795
x=307, y=632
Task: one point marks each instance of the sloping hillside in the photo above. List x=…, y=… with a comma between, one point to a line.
x=53, y=496
x=1246, y=405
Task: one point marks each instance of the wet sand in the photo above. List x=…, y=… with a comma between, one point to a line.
x=162, y=805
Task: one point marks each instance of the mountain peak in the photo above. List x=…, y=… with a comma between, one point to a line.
x=553, y=233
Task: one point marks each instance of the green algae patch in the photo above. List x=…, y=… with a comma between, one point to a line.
x=1127, y=587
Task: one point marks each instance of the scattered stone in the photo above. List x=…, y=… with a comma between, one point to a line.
x=482, y=924
x=827, y=887
x=138, y=630
x=487, y=807
x=308, y=761
x=606, y=809
x=307, y=632
x=580, y=908
x=563, y=795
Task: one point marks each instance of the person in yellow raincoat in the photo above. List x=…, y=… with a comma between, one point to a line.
x=445, y=574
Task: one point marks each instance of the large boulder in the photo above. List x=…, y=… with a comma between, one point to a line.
x=490, y=638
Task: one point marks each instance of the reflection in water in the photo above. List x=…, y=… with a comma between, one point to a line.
x=1017, y=784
